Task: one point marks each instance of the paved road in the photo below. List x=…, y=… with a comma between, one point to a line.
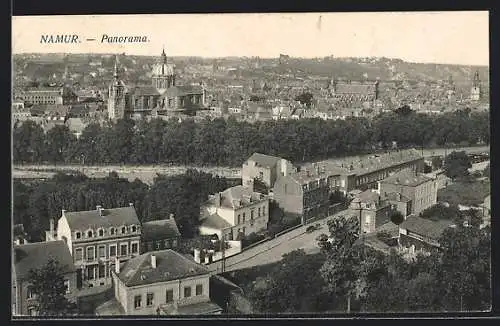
x=272, y=251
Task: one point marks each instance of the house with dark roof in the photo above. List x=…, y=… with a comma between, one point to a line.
x=32, y=256
x=371, y=209
x=418, y=190
x=235, y=212
x=96, y=238
x=163, y=283
x=160, y=234
x=422, y=234
x=265, y=168
x=19, y=236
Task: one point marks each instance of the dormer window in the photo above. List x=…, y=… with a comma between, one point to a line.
x=90, y=234
x=101, y=232
x=112, y=231
x=124, y=230
x=134, y=228
x=78, y=235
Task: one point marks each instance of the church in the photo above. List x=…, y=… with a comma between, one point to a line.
x=162, y=97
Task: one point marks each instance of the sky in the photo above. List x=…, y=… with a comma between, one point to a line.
x=428, y=37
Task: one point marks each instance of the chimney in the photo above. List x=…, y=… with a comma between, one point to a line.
x=131, y=204
x=99, y=209
x=197, y=256
x=153, y=261
x=117, y=265
x=218, y=199
x=171, y=216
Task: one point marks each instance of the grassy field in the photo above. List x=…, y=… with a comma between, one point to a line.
x=465, y=193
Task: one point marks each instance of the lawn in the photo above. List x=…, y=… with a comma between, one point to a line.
x=465, y=193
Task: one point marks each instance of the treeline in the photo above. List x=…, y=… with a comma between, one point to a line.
x=349, y=277
x=36, y=203
x=229, y=142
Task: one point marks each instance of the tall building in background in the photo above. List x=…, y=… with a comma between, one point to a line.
x=116, y=97
x=475, y=93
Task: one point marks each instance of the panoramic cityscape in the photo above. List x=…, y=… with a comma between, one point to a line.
x=244, y=169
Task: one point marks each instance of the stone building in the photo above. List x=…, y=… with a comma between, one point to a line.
x=163, y=283
x=371, y=209
x=475, y=92
x=160, y=234
x=265, y=168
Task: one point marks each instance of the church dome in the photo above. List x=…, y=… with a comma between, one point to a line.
x=162, y=69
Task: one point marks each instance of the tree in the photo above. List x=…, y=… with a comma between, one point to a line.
x=396, y=217
x=437, y=162
x=341, y=268
x=47, y=283
x=305, y=98
x=457, y=164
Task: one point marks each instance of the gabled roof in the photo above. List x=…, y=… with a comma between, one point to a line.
x=262, y=160
x=214, y=221
x=35, y=255
x=160, y=229
x=240, y=196
x=170, y=265
x=111, y=217
x=407, y=178
x=426, y=227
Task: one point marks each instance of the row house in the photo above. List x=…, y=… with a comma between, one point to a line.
x=265, y=168
x=31, y=256
x=96, y=239
x=162, y=283
x=234, y=213
x=303, y=194
x=160, y=234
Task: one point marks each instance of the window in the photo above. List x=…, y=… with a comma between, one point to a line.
x=90, y=272
x=134, y=228
x=101, y=232
x=102, y=271
x=30, y=294
x=137, y=301
x=135, y=248
x=243, y=218
x=149, y=299
x=90, y=253
x=78, y=254
x=199, y=289
x=251, y=215
x=174, y=243
x=167, y=244
x=112, y=231
x=169, y=296
x=239, y=219
x=102, y=251
x=124, y=230
x=123, y=249
x=187, y=292
x=66, y=285
x=90, y=233
x=264, y=210
x=78, y=235
x=261, y=175
x=158, y=245
x=112, y=250
x=259, y=212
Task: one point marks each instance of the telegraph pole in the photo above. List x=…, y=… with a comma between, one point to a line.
x=223, y=251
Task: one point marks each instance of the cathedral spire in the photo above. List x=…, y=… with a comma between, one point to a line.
x=164, y=61
x=476, y=80
x=115, y=72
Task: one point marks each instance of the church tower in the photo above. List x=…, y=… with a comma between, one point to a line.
x=116, y=98
x=163, y=74
x=475, y=93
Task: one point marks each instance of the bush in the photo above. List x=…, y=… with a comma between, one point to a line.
x=397, y=218
x=251, y=239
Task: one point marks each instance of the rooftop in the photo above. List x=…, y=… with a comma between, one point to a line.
x=35, y=255
x=201, y=308
x=237, y=197
x=262, y=160
x=144, y=91
x=170, y=265
x=160, y=229
x=214, y=221
x=425, y=227
x=110, y=217
x=407, y=178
